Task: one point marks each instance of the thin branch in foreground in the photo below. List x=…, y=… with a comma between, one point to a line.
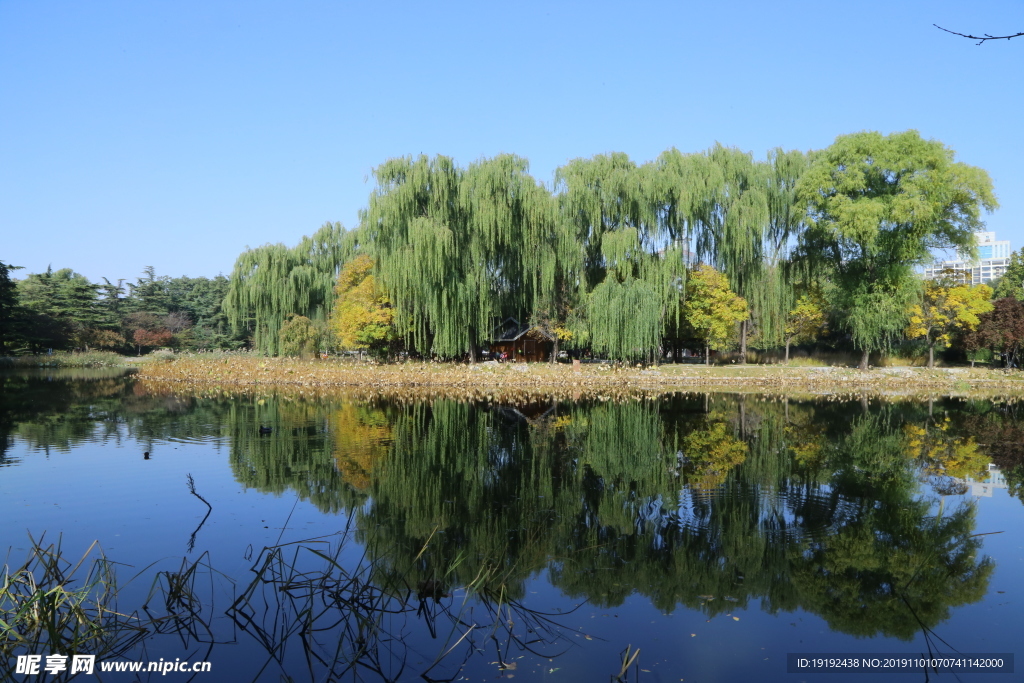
x=980, y=39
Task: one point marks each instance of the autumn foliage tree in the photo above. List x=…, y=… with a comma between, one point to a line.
x=1002, y=330
x=946, y=308
x=152, y=338
x=805, y=321
x=711, y=309
x=363, y=317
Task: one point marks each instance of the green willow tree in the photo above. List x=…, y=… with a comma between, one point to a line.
x=459, y=249
x=773, y=296
x=876, y=205
x=273, y=282
x=733, y=240
x=738, y=215
x=631, y=267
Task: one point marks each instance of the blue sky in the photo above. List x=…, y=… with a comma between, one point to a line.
x=176, y=134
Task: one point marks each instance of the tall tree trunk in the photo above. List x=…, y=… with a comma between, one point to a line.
x=707, y=355
x=864, y=359
x=554, y=350
x=743, y=342
x=931, y=354
x=788, y=340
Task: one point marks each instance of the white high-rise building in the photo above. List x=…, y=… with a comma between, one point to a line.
x=993, y=258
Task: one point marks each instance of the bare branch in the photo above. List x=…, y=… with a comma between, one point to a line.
x=980, y=39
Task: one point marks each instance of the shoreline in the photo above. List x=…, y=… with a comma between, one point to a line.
x=491, y=378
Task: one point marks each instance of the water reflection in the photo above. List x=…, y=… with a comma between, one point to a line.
x=712, y=503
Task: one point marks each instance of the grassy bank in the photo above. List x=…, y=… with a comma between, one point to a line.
x=237, y=371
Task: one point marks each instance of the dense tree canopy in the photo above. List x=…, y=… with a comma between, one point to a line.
x=459, y=249
x=598, y=260
x=876, y=205
x=62, y=310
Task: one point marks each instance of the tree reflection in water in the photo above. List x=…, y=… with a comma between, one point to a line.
x=710, y=503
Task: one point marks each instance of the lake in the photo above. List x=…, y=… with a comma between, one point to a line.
x=690, y=536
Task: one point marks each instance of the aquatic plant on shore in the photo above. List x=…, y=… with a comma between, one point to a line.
x=47, y=605
x=341, y=616
x=245, y=370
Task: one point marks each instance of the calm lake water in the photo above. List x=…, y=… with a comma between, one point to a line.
x=546, y=541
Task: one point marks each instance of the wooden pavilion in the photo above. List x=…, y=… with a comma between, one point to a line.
x=521, y=342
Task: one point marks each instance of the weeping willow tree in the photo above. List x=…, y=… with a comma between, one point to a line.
x=738, y=215
x=734, y=224
x=273, y=282
x=459, y=249
x=773, y=297
x=628, y=270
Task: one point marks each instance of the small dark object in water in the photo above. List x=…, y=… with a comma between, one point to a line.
x=266, y=430
x=145, y=456
x=431, y=588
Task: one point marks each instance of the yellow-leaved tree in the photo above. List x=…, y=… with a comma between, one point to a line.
x=947, y=307
x=806, y=321
x=712, y=310
x=362, y=317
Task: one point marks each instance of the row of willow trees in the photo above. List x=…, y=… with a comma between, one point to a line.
x=600, y=259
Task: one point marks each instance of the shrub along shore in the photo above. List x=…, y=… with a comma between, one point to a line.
x=236, y=371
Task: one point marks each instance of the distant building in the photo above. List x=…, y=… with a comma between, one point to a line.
x=993, y=258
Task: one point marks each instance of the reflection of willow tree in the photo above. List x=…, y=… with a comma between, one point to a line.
x=296, y=455
x=862, y=552
x=667, y=500
x=686, y=500
x=707, y=545
x=462, y=495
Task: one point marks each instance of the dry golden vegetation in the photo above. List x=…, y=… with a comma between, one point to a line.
x=492, y=381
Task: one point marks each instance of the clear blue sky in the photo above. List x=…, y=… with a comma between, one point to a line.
x=176, y=134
